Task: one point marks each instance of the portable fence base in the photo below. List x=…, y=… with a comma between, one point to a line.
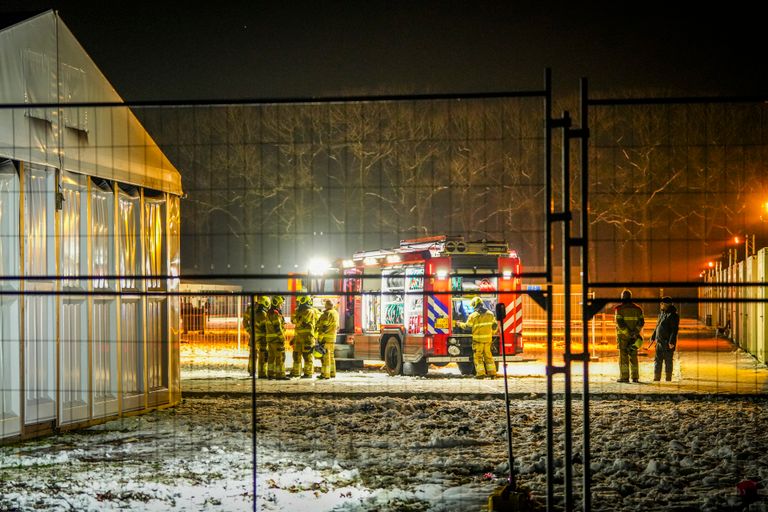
x=506, y=499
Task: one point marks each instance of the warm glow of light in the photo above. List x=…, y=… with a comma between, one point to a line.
x=347, y=263
x=736, y=240
x=507, y=274
x=369, y=260
x=394, y=258
x=442, y=273
x=318, y=266
x=711, y=264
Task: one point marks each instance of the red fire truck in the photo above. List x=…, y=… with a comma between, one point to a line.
x=404, y=313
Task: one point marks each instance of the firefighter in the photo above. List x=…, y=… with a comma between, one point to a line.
x=257, y=345
x=304, y=320
x=629, y=323
x=483, y=325
x=276, y=340
x=665, y=336
x=327, y=325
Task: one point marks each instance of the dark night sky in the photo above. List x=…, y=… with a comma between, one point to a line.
x=168, y=50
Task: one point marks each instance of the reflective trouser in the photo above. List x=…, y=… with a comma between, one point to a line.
x=484, y=363
x=262, y=357
x=663, y=358
x=328, y=369
x=302, y=352
x=258, y=358
x=276, y=358
x=628, y=359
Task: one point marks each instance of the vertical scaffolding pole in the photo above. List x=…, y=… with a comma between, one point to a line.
x=252, y=319
x=585, y=311
x=566, y=218
x=548, y=266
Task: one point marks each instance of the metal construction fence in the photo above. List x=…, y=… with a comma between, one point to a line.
x=92, y=256
x=217, y=321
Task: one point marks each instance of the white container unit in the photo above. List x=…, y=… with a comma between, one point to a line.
x=761, y=336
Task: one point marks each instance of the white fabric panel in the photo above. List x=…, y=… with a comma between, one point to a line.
x=104, y=359
x=128, y=225
x=38, y=222
x=10, y=382
x=157, y=344
x=154, y=240
x=9, y=225
x=73, y=342
x=39, y=310
x=102, y=236
x=174, y=318
x=72, y=243
x=132, y=352
x=104, y=142
x=39, y=358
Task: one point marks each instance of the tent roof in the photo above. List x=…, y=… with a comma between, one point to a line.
x=42, y=63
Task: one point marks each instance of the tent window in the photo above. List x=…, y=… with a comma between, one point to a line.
x=73, y=90
x=39, y=83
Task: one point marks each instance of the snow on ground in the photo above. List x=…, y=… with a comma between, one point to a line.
x=387, y=453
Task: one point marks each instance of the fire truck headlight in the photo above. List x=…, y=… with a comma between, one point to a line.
x=318, y=266
x=507, y=274
x=454, y=350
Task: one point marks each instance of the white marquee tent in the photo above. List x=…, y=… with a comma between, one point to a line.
x=84, y=191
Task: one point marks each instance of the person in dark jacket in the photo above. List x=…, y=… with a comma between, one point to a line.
x=665, y=336
x=629, y=323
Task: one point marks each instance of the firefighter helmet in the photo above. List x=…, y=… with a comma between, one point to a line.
x=263, y=301
x=304, y=299
x=277, y=301
x=328, y=303
x=318, y=351
x=476, y=302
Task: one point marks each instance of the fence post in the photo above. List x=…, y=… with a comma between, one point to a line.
x=239, y=319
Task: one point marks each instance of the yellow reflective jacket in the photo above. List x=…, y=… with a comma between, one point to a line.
x=483, y=325
x=275, y=326
x=304, y=320
x=629, y=321
x=327, y=325
x=259, y=321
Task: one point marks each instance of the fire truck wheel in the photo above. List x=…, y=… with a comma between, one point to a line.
x=466, y=368
x=393, y=357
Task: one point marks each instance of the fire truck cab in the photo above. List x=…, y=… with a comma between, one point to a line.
x=400, y=305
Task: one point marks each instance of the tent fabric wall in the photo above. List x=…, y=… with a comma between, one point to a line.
x=39, y=309
x=83, y=192
x=42, y=62
x=103, y=308
x=10, y=403
x=74, y=399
